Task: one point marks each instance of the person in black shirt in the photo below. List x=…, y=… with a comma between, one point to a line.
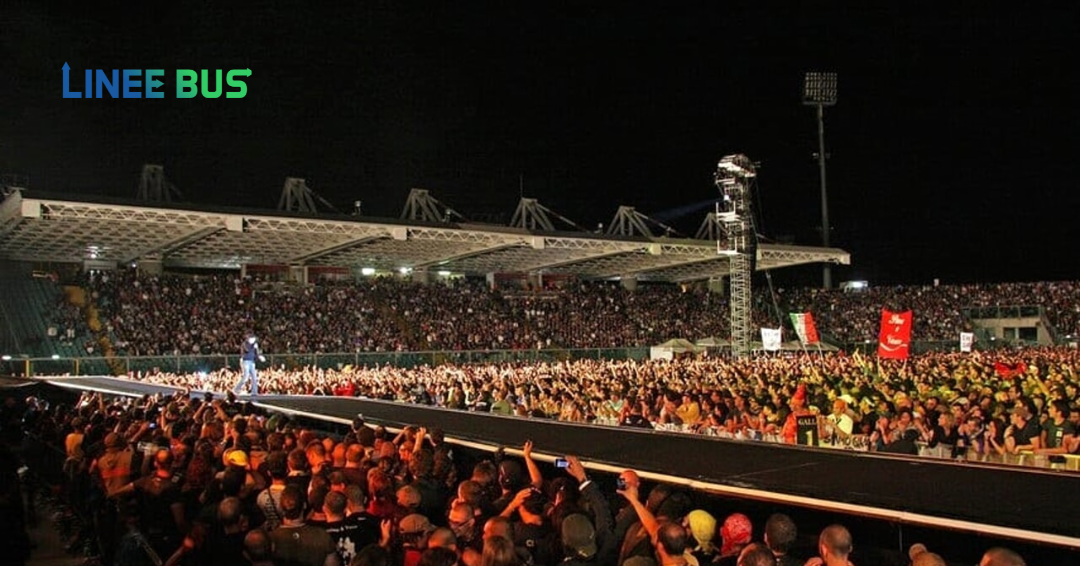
x=221, y=543
x=161, y=509
x=258, y=549
x=531, y=530
x=634, y=418
x=1056, y=428
x=780, y=536
x=1024, y=432
x=350, y=533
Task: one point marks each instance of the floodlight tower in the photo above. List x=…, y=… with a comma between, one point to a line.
x=819, y=89
x=734, y=175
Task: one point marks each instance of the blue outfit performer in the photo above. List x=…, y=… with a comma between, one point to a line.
x=249, y=352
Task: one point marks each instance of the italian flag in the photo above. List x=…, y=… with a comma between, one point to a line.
x=804, y=327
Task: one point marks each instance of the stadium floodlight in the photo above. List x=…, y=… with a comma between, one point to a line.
x=819, y=90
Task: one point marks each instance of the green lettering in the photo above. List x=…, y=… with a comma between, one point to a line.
x=237, y=83
x=186, y=83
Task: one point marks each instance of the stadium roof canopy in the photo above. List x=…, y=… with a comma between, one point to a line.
x=67, y=230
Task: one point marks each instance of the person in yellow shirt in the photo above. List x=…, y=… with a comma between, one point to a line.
x=689, y=412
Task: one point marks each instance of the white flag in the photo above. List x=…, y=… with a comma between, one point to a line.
x=966, y=340
x=770, y=339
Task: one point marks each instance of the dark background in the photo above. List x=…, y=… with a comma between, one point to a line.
x=953, y=145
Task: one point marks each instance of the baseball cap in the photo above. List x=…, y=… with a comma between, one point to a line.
x=414, y=524
x=579, y=535
x=409, y=496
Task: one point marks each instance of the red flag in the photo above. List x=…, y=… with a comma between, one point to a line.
x=895, y=337
x=1006, y=371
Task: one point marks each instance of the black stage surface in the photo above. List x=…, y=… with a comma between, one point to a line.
x=1012, y=502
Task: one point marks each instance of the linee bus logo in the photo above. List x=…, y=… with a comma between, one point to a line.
x=139, y=83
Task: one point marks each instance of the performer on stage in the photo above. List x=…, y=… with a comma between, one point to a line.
x=249, y=352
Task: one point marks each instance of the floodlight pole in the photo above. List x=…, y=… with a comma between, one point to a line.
x=819, y=89
x=826, y=275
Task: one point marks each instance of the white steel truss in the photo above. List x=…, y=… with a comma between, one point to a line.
x=56, y=230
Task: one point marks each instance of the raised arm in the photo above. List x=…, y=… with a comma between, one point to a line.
x=594, y=500
x=648, y=521
x=418, y=443
x=536, y=478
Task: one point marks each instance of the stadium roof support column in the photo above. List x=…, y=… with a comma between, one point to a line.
x=629, y=222
x=296, y=197
x=710, y=227
x=422, y=206
x=531, y=216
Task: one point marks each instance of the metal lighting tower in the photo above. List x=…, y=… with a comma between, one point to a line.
x=734, y=174
x=819, y=89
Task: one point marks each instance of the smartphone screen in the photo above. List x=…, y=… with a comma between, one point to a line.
x=561, y=463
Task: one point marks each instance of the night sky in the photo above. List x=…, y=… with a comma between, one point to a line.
x=953, y=148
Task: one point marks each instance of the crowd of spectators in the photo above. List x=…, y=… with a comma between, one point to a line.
x=993, y=406
x=197, y=482
x=65, y=321
x=204, y=315
x=853, y=316
x=189, y=480
x=180, y=315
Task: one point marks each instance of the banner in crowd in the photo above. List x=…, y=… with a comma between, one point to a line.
x=894, y=340
x=1010, y=371
x=804, y=327
x=770, y=339
x=967, y=339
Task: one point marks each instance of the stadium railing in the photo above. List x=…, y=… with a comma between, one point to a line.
x=34, y=366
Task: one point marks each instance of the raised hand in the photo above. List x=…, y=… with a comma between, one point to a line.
x=575, y=469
